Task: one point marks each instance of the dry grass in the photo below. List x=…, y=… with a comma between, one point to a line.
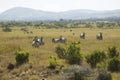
x=11, y=41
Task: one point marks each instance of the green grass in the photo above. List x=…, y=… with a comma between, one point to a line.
x=11, y=41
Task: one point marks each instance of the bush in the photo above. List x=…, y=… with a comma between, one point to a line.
x=102, y=65
x=73, y=54
x=104, y=75
x=60, y=52
x=21, y=57
x=83, y=74
x=10, y=66
x=78, y=76
x=114, y=65
x=52, y=62
x=7, y=29
x=96, y=57
x=76, y=72
x=112, y=52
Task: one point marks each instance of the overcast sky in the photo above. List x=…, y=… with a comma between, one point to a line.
x=61, y=5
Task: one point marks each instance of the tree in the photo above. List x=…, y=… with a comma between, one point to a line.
x=100, y=24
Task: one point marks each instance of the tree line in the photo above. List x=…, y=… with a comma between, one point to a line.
x=61, y=24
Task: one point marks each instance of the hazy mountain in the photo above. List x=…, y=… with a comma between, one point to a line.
x=23, y=14
x=27, y=14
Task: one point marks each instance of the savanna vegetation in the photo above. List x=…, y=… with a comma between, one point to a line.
x=77, y=59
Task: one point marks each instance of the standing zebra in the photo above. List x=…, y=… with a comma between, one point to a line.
x=99, y=36
x=82, y=35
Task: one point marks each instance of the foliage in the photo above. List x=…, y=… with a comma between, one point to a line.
x=104, y=75
x=78, y=76
x=10, y=66
x=114, y=65
x=7, y=29
x=114, y=62
x=60, y=51
x=73, y=54
x=21, y=57
x=76, y=72
x=96, y=57
x=52, y=62
x=100, y=24
x=89, y=23
x=102, y=65
x=112, y=52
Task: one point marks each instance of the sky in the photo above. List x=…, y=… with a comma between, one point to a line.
x=60, y=5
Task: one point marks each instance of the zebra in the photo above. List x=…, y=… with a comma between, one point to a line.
x=37, y=42
x=61, y=39
x=99, y=36
x=82, y=35
x=55, y=40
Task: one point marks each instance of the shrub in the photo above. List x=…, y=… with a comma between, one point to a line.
x=7, y=29
x=112, y=52
x=21, y=57
x=83, y=74
x=96, y=57
x=10, y=66
x=104, y=75
x=73, y=54
x=52, y=62
x=76, y=72
x=114, y=65
x=60, y=52
x=78, y=76
x=102, y=65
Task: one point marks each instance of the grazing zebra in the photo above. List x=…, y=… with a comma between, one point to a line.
x=41, y=41
x=61, y=39
x=70, y=30
x=99, y=36
x=55, y=40
x=37, y=42
x=82, y=35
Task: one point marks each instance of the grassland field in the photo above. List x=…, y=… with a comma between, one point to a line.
x=11, y=41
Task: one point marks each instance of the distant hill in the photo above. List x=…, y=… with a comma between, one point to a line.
x=28, y=14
